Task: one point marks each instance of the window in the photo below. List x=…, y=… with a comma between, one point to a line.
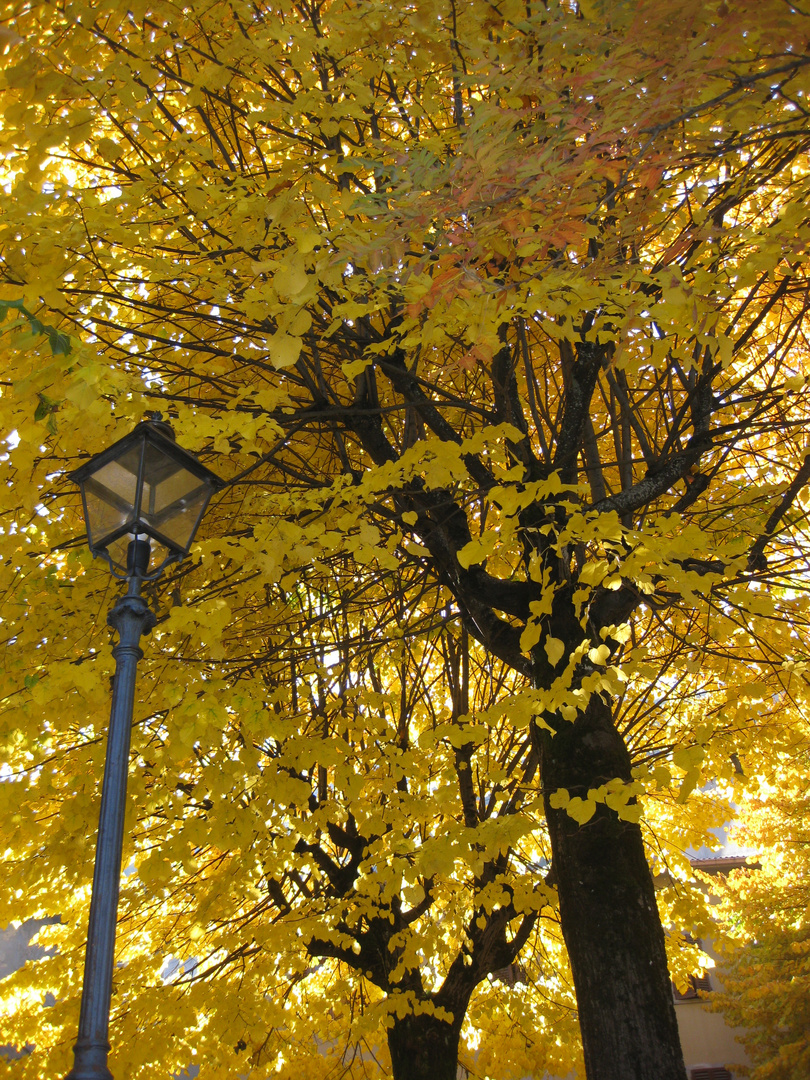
x=696, y=983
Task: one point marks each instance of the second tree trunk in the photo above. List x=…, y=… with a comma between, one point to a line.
x=608, y=912
x=423, y=1048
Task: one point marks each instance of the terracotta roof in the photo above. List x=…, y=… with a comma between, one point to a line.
x=724, y=862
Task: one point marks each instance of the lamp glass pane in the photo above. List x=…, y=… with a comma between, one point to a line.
x=111, y=493
x=103, y=517
x=178, y=519
x=173, y=497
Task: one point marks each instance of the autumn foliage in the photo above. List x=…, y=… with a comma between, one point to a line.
x=493, y=319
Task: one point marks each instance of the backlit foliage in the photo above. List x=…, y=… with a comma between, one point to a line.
x=493, y=319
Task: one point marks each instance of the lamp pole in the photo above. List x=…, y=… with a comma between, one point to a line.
x=144, y=490
x=131, y=617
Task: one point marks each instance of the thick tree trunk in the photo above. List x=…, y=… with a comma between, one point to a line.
x=423, y=1048
x=608, y=912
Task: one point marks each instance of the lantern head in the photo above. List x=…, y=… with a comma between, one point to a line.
x=144, y=490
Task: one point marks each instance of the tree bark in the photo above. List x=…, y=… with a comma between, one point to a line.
x=424, y=1048
x=608, y=911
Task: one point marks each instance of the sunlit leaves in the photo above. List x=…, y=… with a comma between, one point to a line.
x=360, y=257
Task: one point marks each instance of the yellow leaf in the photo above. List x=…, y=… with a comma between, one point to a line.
x=284, y=350
x=554, y=650
x=531, y=635
x=581, y=810
x=599, y=655
x=109, y=149
x=291, y=279
x=478, y=550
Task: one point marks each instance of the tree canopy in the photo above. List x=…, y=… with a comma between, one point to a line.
x=492, y=317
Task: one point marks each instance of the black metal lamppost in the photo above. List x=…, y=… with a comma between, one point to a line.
x=143, y=500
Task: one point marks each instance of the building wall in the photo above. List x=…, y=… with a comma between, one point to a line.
x=707, y=1039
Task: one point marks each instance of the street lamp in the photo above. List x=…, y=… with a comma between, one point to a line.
x=143, y=500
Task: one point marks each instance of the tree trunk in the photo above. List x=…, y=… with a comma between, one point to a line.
x=608, y=912
x=423, y=1048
